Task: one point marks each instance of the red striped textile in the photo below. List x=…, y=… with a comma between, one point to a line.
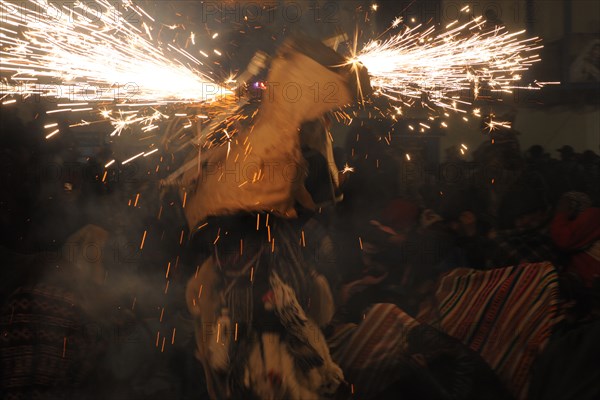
x=368, y=353
x=390, y=353
x=505, y=314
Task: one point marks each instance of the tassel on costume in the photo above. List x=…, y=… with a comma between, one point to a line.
x=219, y=348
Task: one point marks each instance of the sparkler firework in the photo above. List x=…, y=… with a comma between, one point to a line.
x=441, y=68
x=89, y=53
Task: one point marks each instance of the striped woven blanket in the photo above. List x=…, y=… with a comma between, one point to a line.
x=369, y=352
x=390, y=353
x=506, y=315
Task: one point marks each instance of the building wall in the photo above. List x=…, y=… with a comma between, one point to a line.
x=548, y=127
x=562, y=122
x=553, y=128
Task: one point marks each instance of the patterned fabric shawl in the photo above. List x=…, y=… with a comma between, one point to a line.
x=389, y=353
x=506, y=315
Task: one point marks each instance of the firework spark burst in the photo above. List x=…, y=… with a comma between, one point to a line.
x=492, y=125
x=440, y=68
x=89, y=52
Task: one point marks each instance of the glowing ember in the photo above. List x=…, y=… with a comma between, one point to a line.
x=493, y=125
x=347, y=169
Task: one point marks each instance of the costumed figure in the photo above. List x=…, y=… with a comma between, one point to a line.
x=258, y=305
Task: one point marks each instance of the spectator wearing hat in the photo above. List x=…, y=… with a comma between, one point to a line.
x=590, y=162
x=567, y=153
x=523, y=219
x=569, y=174
x=539, y=161
x=465, y=212
x=575, y=229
